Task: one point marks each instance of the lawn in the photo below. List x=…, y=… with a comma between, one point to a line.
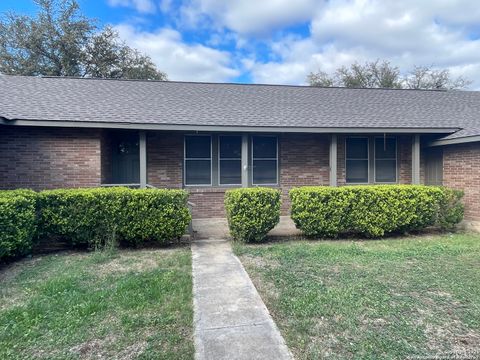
x=120, y=304
x=394, y=298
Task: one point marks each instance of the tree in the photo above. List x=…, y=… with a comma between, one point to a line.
x=425, y=77
x=60, y=41
x=370, y=75
x=378, y=74
x=320, y=78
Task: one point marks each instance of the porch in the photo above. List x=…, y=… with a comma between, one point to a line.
x=208, y=164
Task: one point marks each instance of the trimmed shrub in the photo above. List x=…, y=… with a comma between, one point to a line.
x=96, y=217
x=17, y=222
x=252, y=212
x=451, y=209
x=373, y=211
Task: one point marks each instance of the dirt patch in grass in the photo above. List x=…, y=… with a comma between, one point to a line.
x=260, y=262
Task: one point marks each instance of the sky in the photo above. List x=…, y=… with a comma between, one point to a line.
x=281, y=41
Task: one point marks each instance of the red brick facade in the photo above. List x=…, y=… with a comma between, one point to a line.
x=461, y=170
x=304, y=160
x=48, y=158
x=165, y=159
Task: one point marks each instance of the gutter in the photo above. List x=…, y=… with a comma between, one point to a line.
x=460, y=140
x=218, y=128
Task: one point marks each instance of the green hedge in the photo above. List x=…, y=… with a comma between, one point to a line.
x=96, y=217
x=252, y=212
x=373, y=211
x=17, y=222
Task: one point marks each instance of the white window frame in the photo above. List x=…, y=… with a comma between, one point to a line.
x=185, y=159
x=276, y=160
x=375, y=160
x=236, y=159
x=368, y=160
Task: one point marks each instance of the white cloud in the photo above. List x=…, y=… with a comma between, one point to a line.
x=444, y=33
x=179, y=60
x=405, y=32
x=142, y=6
x=249, y=16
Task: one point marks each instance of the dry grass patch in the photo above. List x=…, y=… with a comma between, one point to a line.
x=394, y=298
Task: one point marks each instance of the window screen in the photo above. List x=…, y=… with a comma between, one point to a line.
x=230, y=160
x=385, y=160
x=356, y=160
x=198, y=160
x=264, y=160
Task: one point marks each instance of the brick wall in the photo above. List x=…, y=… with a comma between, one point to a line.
x=165, y=159
x=304, y=160
x=43, y=158
x=46, y=158
x=209, y=202
x=461, y=170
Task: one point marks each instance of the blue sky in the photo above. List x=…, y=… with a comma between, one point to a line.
x=281, y=41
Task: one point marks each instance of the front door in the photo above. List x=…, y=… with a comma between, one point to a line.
x=126, y=159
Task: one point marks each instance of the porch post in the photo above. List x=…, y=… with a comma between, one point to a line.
x=244, y=160
x=143, y=159
x=416, y=160
x=333, y=160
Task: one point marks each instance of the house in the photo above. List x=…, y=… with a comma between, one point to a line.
x=206, y=138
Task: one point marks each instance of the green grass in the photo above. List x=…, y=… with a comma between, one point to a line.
x=124, y=304
x=387, y=299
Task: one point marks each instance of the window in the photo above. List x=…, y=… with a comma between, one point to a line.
x=198, y=160
x=385, y=160
x=356, y=163
x=230, y=160
x=264, y=160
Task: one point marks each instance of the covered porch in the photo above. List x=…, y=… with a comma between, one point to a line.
x=209, y=163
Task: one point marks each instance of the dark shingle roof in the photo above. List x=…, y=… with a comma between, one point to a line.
x=183, y=103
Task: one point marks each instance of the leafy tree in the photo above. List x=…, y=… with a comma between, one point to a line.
x=60, y=41
x=378, y=74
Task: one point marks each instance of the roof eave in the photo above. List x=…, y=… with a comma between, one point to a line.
x=459, y=140
x=179, y=127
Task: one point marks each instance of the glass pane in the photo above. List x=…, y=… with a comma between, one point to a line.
x=357, y=171
x=264, y=172
x=264, y=147
x=230, y=147
x=385, y=171
x=357, y=148
x=230, y=172
x=198, y=172
x=385, y=148
x=197, y=147
x=126, y=147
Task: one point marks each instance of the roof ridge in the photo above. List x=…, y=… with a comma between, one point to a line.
x=231, y=83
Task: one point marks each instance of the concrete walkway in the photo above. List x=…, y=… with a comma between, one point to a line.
x=231, y=320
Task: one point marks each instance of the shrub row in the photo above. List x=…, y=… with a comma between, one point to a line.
x=252, y=212
x=17, y=222
x=374, y=211
x=370, y=211
x=95, y=217
x=91, y=217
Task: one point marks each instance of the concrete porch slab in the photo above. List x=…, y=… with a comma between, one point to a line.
x=218, y=228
